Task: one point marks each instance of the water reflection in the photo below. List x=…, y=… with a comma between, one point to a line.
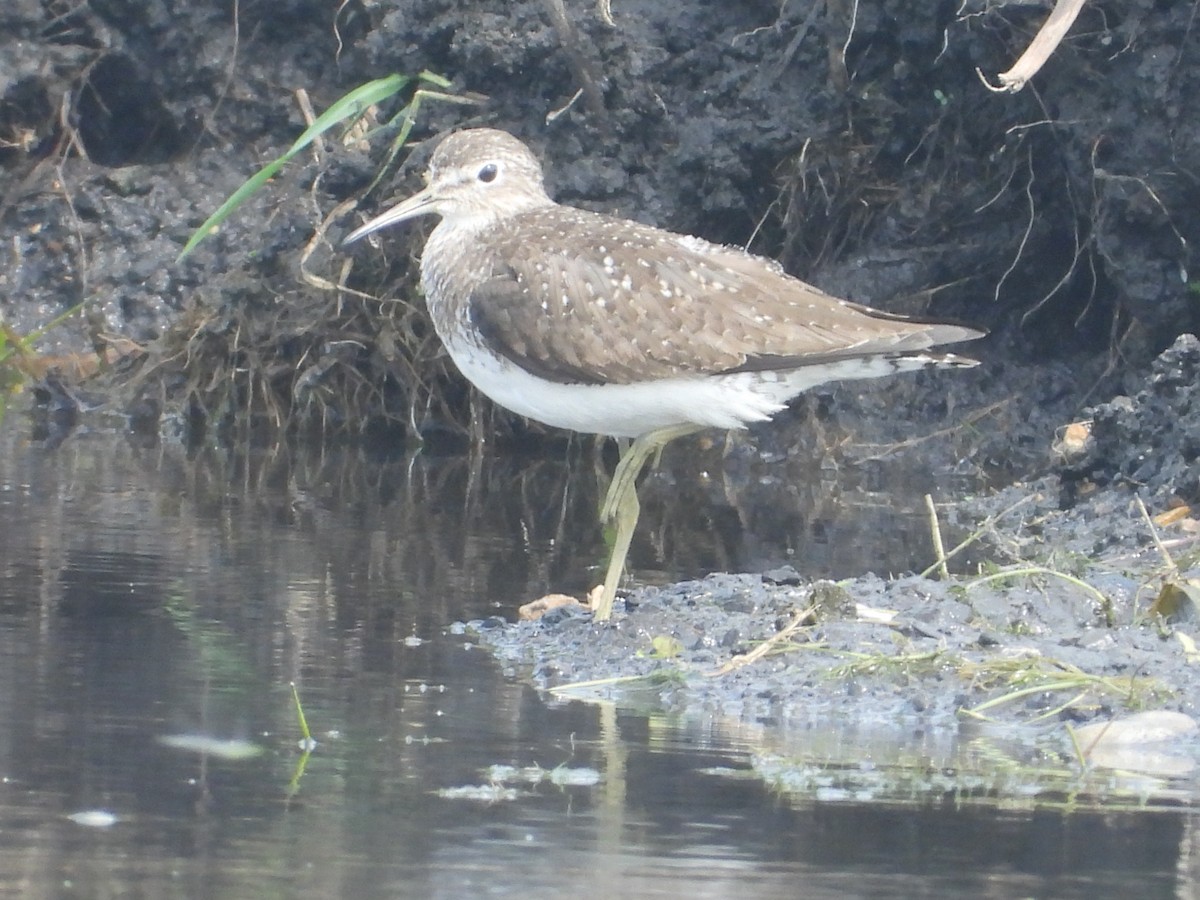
x=145, y=593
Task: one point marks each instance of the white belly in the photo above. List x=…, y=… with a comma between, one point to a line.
x=631, y=410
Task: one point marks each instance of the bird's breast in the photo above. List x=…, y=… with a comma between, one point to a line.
x=453, y=266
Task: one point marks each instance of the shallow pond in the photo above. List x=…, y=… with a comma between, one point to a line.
x=156, y=606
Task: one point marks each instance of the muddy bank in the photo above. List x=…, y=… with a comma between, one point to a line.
x=1070, y=636
x=857, y=145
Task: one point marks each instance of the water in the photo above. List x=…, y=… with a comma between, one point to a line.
x=146, y=594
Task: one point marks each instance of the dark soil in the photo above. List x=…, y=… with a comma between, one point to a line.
x=854, y=142
x=1060, y=217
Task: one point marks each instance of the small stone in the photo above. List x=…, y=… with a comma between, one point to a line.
x=784, y=575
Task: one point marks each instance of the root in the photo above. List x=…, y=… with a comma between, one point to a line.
x=580, y=66
x=1040, y=49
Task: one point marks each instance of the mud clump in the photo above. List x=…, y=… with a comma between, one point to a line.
x=1149, y=441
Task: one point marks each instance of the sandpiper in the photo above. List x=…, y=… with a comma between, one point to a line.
x=603, y=325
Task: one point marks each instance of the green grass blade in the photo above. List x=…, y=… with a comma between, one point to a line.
x=232, y=202
x=348, y=107
x=308, y=738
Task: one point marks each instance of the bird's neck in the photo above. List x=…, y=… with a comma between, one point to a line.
x=456, y=261
x=460, y=256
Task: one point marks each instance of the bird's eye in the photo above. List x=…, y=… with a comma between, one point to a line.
x=488, y=173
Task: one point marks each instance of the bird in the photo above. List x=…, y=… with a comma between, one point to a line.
x=602, y=325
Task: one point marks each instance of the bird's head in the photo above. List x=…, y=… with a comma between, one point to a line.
x=476, y=176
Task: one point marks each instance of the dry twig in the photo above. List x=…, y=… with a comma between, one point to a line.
x=798, y=619
x=1043, y=45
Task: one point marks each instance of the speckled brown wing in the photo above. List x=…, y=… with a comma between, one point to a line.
x=637, y=304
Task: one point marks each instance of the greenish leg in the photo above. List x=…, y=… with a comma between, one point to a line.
x=625, y=517
x=621, y=507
